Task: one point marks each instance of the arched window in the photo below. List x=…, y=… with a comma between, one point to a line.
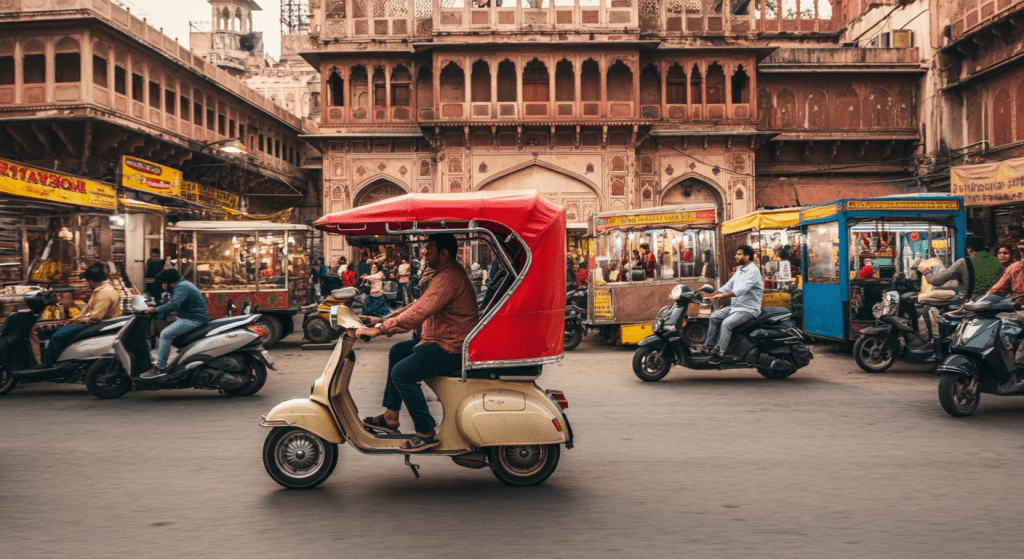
x=425, y=87
x=620, y=82
x=335, y=90
x=67, y=61
x=1002, y=121
x=817, y=109
x=786, y=102
x=565, y=81
x=480, y=83
x=380, y=94
x=590, y=81
x=740, y=86
x=880, y=115
x=453, y=84
x=716, y=84
x=848, y=107
x=401, y=96
x=358, y=84
x=696, y=86
x=675, y=86
x=650, y=86
x=536, y=82
x=507, y=81
x=236, y=25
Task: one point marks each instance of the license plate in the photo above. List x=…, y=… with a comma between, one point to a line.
x=266, y=355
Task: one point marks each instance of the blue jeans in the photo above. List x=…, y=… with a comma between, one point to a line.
x=176, y=328
x=408, y=365
x=725, y=319
x=59, y=341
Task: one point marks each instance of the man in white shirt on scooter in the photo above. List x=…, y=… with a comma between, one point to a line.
x=746, y=288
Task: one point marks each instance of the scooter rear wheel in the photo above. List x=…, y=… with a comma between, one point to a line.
x=106, y=379
x=522, y=466
x=298, y=459
x=573, y=337
x=873, y=354
x=7, y=381
x=259, y=378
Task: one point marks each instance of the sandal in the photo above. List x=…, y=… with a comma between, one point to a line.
x=380, y=424
x=418, y=443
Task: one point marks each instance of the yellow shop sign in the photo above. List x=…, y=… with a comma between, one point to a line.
x=147, y=176
x=903, y=205
x=32, y=182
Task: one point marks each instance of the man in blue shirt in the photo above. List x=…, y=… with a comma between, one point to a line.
x=189, y=304
x=746, y=288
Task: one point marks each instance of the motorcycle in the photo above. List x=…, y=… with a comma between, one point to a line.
x=316, y=321
x=904, y=329
x=981, y=360
x=225, y=354
x=495, y=415
x=575, y=318
x=19, y=366
x=770, y=343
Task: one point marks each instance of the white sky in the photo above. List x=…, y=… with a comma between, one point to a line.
x=174, y=17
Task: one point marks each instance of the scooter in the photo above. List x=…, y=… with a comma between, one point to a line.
x=575, y=318
x=904, y=329
x=19, y=365
x=225, y=354
x=769, y=343
x=316, y=324
x=496, y=417
x=981, y=360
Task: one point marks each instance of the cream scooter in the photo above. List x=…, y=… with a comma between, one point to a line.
x=504, y=421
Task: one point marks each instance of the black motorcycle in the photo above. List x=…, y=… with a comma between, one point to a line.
x=981, y=359
x=770, y=343
x=575, y=318
x=905, y=329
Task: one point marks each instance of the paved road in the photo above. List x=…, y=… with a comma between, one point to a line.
x=829, y=463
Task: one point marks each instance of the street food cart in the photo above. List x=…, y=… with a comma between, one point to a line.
x=257, y=263
x=775, y=238
x=891, y=235
x=623, y=299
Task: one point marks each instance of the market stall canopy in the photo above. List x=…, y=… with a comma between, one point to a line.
x=127, y=205
x=763, y=219
x=670, y=217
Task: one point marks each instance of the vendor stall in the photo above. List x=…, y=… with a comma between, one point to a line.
x=775, y=238
x=625, y=291
x=854, y=248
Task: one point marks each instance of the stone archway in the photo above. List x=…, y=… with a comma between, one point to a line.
x=692, y=190
x=577, y=197
x=380, y=189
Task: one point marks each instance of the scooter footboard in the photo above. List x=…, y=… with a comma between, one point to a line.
x=507, y=416
x=307, y=415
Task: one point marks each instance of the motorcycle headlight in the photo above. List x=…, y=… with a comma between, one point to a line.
x=878, y=310
x=676, y=292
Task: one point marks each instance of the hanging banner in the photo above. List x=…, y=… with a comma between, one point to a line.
x=209, y=196
x=653, y=219
x=31, y=182
x=147, y=176
x=283, y=216
x=990, y=184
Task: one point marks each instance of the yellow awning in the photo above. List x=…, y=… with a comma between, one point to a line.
x=763, y=219
x=128, y=205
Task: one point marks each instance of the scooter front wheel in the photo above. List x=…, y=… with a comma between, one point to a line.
x=959, y=395
x=873, y=354
x=651, y=364
x=7, y=380
x=525, y=465
x=106, y=379
x=298, y=459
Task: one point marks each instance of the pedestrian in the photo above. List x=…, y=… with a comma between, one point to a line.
x=375, y=304
x=650, y=262
x=404, y=272
x=476, y=277
x=348, y=278
x=153, y=267
x=1004, y=253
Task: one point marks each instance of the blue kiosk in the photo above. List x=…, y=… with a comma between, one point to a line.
x=853, y=249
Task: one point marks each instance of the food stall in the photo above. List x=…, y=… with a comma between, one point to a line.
x=775, y=238
x=257, y=263
x=891, y=235
x=623, y=299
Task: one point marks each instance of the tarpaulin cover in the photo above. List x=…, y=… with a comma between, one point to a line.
x=531, y=323
x=764, y=219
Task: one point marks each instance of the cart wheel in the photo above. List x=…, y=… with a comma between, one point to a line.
x=7, y=380
x=318, y=331
x=273, y=326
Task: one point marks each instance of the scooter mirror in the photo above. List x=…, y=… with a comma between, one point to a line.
x=706, y=288
x=139, y=303
x=246, y=308
x=344, y=317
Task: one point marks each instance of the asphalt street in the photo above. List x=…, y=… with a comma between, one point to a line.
x=831, y=462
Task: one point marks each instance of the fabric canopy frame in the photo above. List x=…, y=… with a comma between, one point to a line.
x=763, y=219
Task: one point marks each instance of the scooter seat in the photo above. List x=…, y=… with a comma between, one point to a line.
x=767, y=313
x=204, y=330
x=101, y=328
x=529, y=372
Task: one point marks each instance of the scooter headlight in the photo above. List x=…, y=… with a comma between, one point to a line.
x=878, y=310
x=676, y=292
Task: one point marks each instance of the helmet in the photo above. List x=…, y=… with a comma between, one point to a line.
x=170, y=275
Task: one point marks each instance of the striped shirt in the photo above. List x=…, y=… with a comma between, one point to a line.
x=447, y=310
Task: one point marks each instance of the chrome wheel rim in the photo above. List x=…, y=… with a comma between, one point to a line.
x=523, y=460
x=963, y=395
x=300, y=455
x=875, y=351
x=653, y=362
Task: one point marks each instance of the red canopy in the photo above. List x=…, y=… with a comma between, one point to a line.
x=530, y=325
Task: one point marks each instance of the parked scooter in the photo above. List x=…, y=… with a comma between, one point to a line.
x=316, y=323
x=575, y=318
x=225, y=354
x=981, y=359
x=904, y=329
x=770, y=343
x=19, y=365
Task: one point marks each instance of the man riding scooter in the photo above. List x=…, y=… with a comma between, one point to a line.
x=746, y=288
x=448, y=313
x=103, y=304
x=190, y=306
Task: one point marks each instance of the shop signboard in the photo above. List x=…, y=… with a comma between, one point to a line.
x=209, y=196
x=32, y=182
x=989, y=184
x=139, y=174
x=605, y=223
